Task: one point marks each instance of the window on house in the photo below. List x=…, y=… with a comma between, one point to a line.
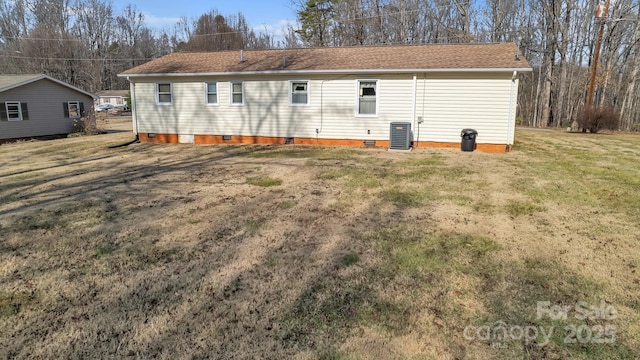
x=237, y=93
x=73, y=109
x=212, y=93
x=164, y=95
x=367, y=97
x=299, y=92
x=119, y=101
x=13, y=110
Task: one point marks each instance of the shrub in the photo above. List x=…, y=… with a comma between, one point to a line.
x=595, y=119
x=86, y=125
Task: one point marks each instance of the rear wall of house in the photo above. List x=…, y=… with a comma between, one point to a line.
x=447, y=103
x=44, y=99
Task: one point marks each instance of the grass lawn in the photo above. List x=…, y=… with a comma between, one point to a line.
x=182, y=251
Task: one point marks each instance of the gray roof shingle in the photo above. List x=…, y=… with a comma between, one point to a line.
x=10, y=81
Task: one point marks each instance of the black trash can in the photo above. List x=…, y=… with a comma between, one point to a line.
x=468, y=139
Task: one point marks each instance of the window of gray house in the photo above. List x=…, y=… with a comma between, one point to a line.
x=13, y=111
x=164, y=94
x=73, y=109
x=367, y=97
x=299, y=92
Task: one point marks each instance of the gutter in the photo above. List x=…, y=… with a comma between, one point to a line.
x=323, y=72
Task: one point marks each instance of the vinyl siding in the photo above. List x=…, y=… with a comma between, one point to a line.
x=266, y=110
x=44, y=99
x=447, y=102
x=450, y=103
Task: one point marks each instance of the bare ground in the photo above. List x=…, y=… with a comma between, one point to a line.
x=196, y=251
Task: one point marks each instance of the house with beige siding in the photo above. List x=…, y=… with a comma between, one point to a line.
x=39, y=105
x=351, y=96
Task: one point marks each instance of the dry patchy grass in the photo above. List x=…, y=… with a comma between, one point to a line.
x=164, y=251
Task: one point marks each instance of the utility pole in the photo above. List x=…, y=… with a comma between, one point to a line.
x=602, y=16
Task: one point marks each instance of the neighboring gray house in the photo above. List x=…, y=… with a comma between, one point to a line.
x=39, y=105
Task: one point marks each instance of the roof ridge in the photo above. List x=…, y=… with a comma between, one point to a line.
x=372, y=46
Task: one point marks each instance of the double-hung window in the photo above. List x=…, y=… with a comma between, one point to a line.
x=211, y=89
x=299, y=92
x=367, y=97
x=73, y=107
x=14, y=110
x=237, y=93
x=164, y=93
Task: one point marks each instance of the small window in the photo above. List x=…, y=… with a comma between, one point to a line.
x=237, y=93
x=212, y=93
x=14, y=111
x=164, y=94
x=367, y=97
x=74, y=109
x=299, y=92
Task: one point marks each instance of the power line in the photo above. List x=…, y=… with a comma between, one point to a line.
x=68, y=59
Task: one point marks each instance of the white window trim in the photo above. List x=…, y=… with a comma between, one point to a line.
x=157, y=85
x=206, y=94
x=358, y=81
x=13, y=103
x=291, y=92
x=231, y=103
x=77, y=103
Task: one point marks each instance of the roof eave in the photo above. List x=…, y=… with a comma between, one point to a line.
x=23, y=83
x=41, y=77
x=319, y=72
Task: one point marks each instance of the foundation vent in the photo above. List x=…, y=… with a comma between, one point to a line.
x=370, y=143
x=289, y=140
x=226, y=137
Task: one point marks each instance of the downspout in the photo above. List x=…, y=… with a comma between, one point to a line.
x=512, y=121
x=413, y=111
x=134, y=118
x=424, y=95
x=134, y=114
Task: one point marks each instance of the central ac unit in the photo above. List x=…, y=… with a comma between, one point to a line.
x=400, y=137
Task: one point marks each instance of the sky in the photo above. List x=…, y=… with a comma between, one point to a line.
x=161, y=14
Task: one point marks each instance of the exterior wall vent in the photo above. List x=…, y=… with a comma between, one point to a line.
x=370, y=143
x=400, y=136
x=226, y=137
x=289, y=140
x=151, y=135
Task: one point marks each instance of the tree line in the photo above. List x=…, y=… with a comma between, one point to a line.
x=558, y=37
x=86, y=43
